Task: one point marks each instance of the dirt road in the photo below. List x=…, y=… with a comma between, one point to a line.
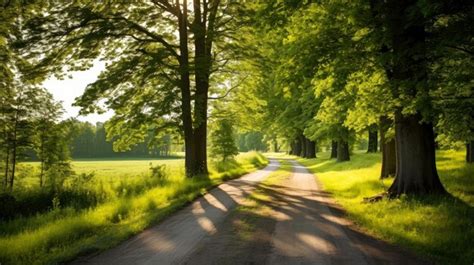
x=303, y=226
x=175, y=238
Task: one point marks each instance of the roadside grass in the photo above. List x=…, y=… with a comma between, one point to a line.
x=440, y=228
x=63, y=233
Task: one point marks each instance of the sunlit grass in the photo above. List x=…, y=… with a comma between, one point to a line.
x=440, y=228
x=63, y=233
x=111, y=169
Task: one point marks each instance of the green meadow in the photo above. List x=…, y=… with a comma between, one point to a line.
x=112, y=169
x=439, y=227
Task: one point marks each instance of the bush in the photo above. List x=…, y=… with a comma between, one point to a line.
x=158, y=171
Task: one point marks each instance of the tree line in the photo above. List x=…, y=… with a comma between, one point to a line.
x=90, y=141
x=327, y=70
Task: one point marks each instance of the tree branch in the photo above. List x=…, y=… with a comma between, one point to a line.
x=156, y=37
x=165, y=5
x=230, y=90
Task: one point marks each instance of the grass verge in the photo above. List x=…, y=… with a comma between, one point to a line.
x=440, y=228
x=63, y=233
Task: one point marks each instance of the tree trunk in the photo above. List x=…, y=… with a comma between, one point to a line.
x=470, y=152
x=297, y=149
x=416, y=171
x=42, y=159
x=186, y=116
x=342, y=151
x=373, y=138
x=416, y=164
x=333, y=149
x=310, y=148
x=303, y=146
x=389, y=165
x=203, y=39
x=389, y=160
x=7, y=166
x=14, y=156
x=41, y=173
x=276, y=148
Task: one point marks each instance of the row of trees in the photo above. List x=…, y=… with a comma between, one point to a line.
x=326, y=70
x=311, y=70
x=90, y=141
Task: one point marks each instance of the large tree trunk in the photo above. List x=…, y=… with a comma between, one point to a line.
x=342, y=151
x=200, y=131
x=470, y=152
x=389, y=165
x=416, y=164
x=415, y=144
x=186, y=116
x=203, y=29
x=333, y=149
x=310, y=148
x=373, y=138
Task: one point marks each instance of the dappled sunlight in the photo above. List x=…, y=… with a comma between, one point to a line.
x=318, y=244
x=206, y=224
x=420, y=223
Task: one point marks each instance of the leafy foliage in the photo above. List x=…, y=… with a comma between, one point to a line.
x=223, y=140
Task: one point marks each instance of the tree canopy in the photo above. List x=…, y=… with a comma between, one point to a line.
x=296, y=74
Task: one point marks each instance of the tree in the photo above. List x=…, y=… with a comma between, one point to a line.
x=50, y=140
x=153, y=74
x=223, y=140
x=416, y=167
x=20, y=112
x=373, y=140
x=371, y=63
x=387, y=143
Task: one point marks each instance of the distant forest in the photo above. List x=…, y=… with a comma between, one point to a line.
x=90, y=141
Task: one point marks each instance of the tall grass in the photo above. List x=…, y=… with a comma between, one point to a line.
x=65, y=232
x=439, y=227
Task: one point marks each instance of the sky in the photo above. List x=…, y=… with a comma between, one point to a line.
x=68, y=89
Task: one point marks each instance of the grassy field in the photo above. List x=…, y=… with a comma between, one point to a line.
x=64, y=232
x=110, y=169
x=439, y=228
